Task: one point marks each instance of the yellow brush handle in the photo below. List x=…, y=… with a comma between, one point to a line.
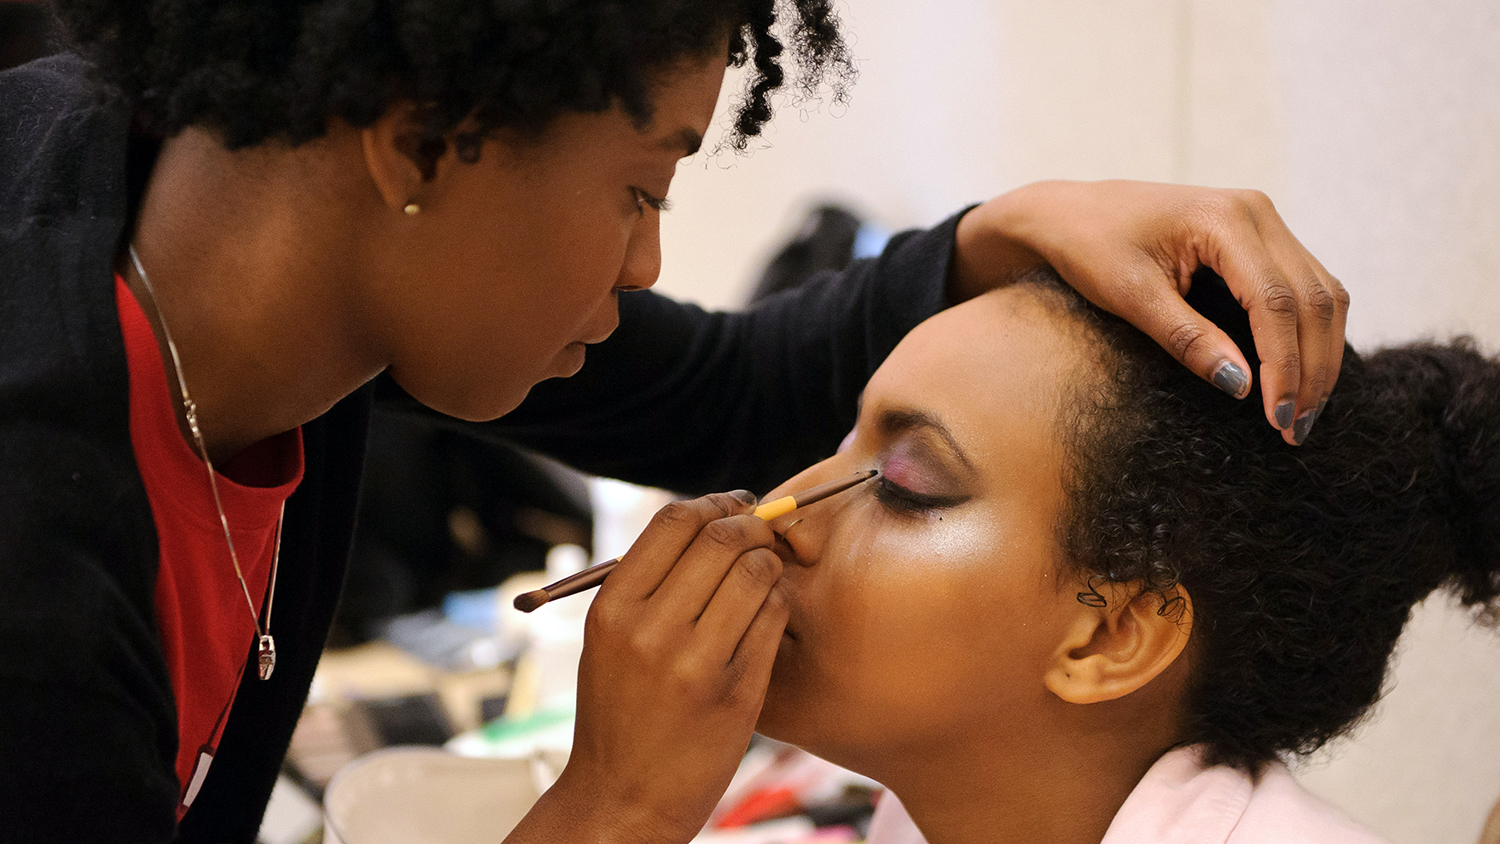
x=780, y=507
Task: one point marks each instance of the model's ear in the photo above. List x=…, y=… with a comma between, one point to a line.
x=402, y=160
x=1111, y=650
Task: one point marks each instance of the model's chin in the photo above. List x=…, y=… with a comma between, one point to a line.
x=784, y=709
x=792, y=719
x=772, y=722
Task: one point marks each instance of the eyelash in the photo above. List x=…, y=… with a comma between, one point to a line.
x=645, y=200
x=902, y=500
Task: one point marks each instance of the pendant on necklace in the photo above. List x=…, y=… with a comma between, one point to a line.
x=267, y=656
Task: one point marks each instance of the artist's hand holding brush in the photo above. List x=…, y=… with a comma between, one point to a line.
x=677, y=656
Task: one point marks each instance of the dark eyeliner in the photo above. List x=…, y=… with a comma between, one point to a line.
x=902, y=500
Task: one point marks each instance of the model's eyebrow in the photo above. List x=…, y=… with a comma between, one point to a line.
x=686, y=139
x=897, y=421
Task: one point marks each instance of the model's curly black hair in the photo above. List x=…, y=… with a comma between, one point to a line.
x=255, y=70
x=1302, y=563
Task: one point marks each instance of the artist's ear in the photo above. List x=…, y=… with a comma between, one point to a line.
x=402, y=161
x=1109, y=651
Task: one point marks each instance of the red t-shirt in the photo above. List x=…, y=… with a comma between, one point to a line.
x=206, y=629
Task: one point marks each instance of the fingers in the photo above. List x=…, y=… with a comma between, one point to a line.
x=1315, y=328
x=730, y=561
x=1328, y=303
x=1297, y=311
x=1195, y=341
x=1261, y=287
x=757, y=650
x=671, y=531
x=728, y=621
x=1336, y=337
x=702, y=568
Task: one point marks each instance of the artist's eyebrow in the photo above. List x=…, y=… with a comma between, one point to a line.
x=686, y=139
x=897, y=421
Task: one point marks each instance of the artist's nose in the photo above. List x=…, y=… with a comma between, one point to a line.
x=642, y=255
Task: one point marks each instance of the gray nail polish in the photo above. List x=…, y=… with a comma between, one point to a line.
x=1322, y=404
x=1284, y=414
x=1303, y=424
x=745, y=496
x=1231, y=379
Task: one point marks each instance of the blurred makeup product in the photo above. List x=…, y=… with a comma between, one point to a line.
x=595, y=575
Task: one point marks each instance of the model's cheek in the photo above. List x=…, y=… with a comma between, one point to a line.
x=874, y=626
x=936, y=545
x=912, y=573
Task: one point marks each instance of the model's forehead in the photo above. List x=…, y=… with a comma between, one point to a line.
x=993, y=369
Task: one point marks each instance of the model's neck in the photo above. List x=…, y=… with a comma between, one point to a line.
x=250, y=255
x=1048, y=787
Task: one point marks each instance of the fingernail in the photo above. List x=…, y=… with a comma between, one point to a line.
x=1231, y=379
x=1322, y=404
x=1284, y=414
x=1303, y=424
x=745, y=496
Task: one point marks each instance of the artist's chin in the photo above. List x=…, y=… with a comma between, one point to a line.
x=461, y=400
x=466, y=396
x=568, y=361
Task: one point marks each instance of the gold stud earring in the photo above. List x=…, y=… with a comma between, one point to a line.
x=412, y=209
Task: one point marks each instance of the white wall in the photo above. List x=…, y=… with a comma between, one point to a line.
x=1374, y=124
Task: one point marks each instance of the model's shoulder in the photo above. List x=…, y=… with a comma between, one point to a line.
x=1182, y=799
x=1283, y=811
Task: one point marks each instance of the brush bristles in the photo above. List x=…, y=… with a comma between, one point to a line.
x=528, y=601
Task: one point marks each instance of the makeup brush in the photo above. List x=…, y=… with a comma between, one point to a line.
x=594, y=575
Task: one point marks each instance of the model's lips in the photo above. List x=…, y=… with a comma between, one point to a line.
x=795, y=628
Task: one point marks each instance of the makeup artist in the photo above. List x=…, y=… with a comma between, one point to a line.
x=231, y=230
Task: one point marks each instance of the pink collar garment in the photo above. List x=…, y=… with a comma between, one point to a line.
x=1180, y=801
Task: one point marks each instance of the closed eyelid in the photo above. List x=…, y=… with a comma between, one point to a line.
x=888, y=490
x=645, y=200
x=914, y=464
x=905, y=424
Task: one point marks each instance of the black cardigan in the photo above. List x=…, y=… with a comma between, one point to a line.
x=678, y=398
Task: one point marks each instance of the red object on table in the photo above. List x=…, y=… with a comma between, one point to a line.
x=763, y=805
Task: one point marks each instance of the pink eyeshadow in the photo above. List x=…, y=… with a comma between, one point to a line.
x=905, y=471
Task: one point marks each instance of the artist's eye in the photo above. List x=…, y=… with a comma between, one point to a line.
x=645, y=200
x=899, y=499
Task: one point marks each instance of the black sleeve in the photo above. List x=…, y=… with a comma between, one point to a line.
x=87, y=724
x=694, y=401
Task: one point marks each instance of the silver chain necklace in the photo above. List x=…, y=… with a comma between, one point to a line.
x=266, y=658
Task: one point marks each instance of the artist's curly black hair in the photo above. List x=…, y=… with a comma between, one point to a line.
x=255, y=70
x=1302, y=564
